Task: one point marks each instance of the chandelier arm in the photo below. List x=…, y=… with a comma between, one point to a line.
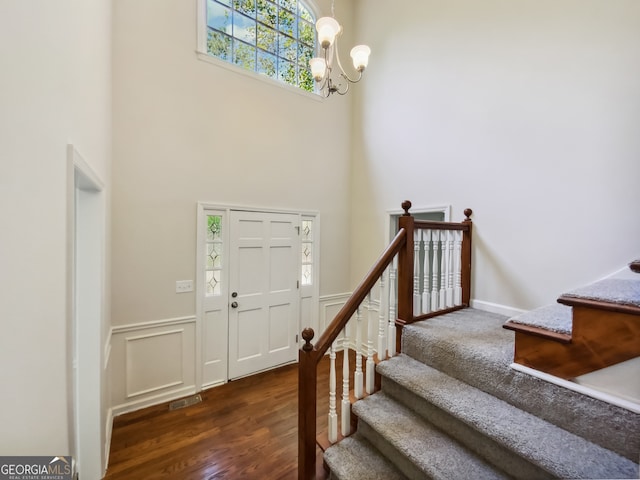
x=325, y=86
x=348, y=84
x=342, y=72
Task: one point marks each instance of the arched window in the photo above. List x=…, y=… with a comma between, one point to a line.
x=274, y=38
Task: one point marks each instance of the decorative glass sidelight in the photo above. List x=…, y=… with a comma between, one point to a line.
x=213, y=256
x=306, y=232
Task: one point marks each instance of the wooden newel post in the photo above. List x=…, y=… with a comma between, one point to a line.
x=466, y=258
x=405, y=275
x=307, y=380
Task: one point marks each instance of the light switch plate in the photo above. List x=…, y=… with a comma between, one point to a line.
x=183, y=286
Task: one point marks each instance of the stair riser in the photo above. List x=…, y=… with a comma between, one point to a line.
x=402, y=463
x=355, y=458
x=494, y=453
x=604, y=424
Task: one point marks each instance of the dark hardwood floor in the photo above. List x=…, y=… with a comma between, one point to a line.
x=246, y=429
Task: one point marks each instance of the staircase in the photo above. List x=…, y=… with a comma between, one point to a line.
x=451, y=407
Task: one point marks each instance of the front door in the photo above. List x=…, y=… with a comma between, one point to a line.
x=263, y=291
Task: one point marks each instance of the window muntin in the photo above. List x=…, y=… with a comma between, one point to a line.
x=273, y=38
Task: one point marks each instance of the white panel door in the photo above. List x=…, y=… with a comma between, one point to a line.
x=263, y=291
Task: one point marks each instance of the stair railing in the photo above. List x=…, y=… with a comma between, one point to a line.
x=425, y=271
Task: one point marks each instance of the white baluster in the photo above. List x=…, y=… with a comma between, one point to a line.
x=442, y=302
x=371, y=364
x=345, y=414
x=450, y=258
x=416, y=272
x=434, y=277
x=457, y=288
x=358, y=377
x=391, y=344
x=426, y=297
x=333, y=415
x=382, y=323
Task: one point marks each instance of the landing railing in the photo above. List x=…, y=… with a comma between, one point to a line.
x=425, y=271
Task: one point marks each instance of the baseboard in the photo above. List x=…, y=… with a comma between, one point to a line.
x=132, y=406
x=624, y=273
x=108, y=432
x=212, y=385
x=496, y=308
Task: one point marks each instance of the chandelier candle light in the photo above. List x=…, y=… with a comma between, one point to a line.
x=328, y=32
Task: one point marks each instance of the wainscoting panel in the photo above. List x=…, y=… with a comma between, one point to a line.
x=330, y=305
x=151, y=363
x=154, y=361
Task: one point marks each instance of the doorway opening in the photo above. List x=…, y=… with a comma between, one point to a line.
x=435, y=213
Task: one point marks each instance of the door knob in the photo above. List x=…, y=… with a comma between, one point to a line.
x=234, y=305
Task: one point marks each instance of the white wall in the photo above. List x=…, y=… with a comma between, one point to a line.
x=54, y=90
x=186, y=131
x=528, y=112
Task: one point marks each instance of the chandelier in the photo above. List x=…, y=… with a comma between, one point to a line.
x=329, y=30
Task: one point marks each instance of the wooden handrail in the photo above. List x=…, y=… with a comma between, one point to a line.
x=360, y=293
x=433, y=225
x=310, y=355
x=403, y=246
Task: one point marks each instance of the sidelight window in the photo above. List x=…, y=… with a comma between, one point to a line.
x=214, y=257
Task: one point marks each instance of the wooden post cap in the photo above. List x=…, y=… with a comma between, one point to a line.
x=307, y=335
x=406, y=205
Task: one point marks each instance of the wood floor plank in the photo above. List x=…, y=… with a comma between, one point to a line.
x=246, y=429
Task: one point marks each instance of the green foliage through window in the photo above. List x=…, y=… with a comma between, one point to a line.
x=274, y=38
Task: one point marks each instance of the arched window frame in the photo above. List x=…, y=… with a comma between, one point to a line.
x=255, y=51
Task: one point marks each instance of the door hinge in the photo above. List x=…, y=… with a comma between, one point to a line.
x=298, y=230
x=296, y=338
x=298, y=284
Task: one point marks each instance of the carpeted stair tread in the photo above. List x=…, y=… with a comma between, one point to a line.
x=472, y=346
x=418, y=448
x=354, y=458
x=621, y=291
x=545, y=445
x=555, y=318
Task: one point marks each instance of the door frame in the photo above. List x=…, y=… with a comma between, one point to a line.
x=312, y=292
x=86, y=247
x=394, y=214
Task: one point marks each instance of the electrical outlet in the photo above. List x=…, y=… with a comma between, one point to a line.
x=183, y=286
